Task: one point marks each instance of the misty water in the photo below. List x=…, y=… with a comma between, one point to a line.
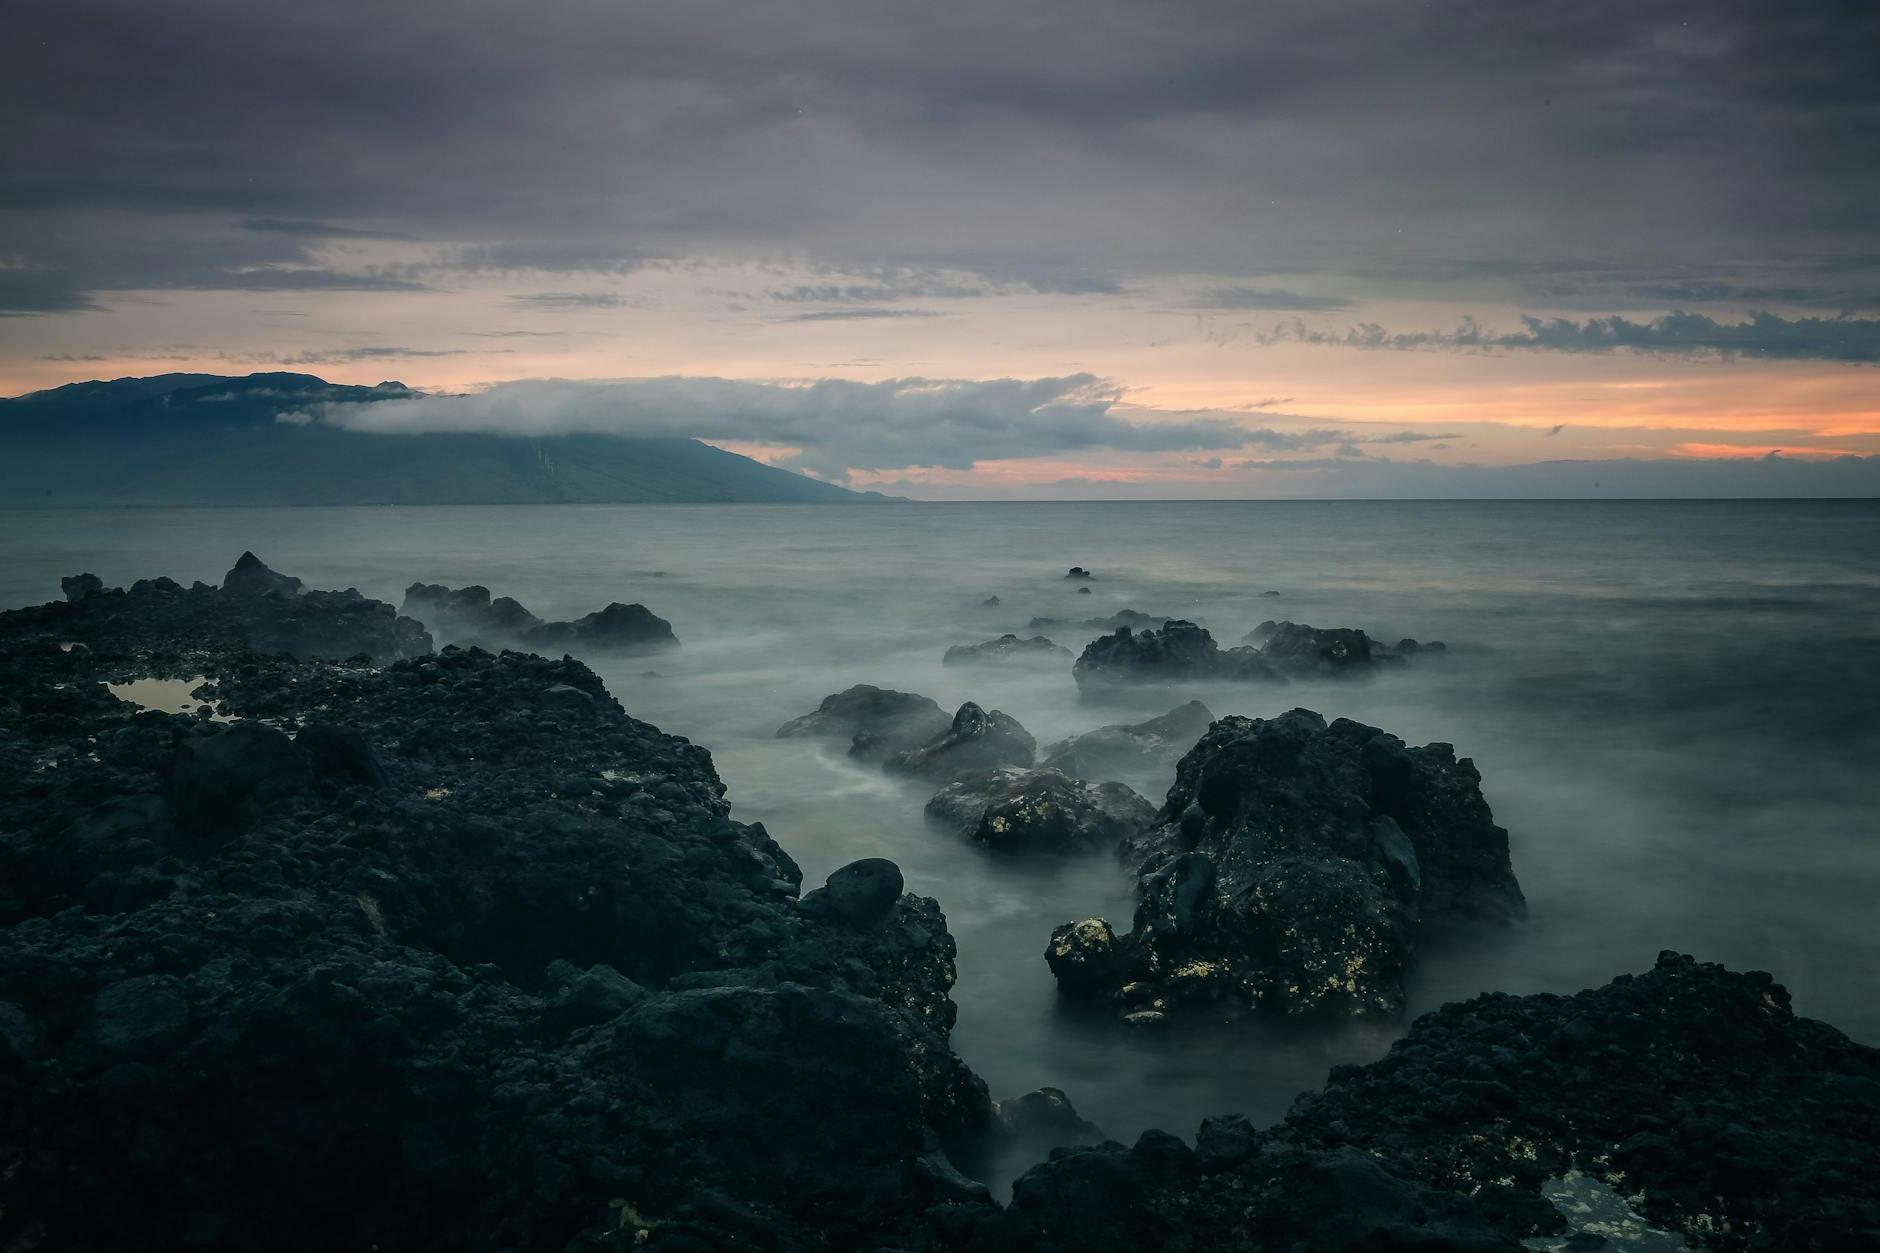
x=1673, y=706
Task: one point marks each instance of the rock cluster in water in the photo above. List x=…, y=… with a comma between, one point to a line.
x=468, y=616
x=977, y=739
x=1006, y=649
x=448, y=951
x=1291, y=871
x=1180, y=651
x=1298, y=650
x=877, y=722
x=1016, y=810
x=1128, y=751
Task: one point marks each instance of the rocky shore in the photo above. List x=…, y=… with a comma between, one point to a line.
x=387, y=947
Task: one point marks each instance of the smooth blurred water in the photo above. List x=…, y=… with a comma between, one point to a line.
x=1673, y=705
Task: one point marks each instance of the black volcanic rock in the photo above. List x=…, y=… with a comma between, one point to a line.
x=976, y=740
x=1179, y=652
x=1077, y=572
x=1039, y=811
x=468, y=616
x=1292, y=870
x=1118, y=751
x=251, y=577
x=1302, y=651
x=79, y=586
x=1131, y=618
x=1004, y=650
x=876, y=721
x=162, y=615
x=493, y=966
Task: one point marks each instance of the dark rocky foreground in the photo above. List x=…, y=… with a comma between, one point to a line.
x=452, y=953
x=1292, y=870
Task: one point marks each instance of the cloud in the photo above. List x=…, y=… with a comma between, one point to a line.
x=859, y=315
x=341, y=356
x=305, y=229
x=837, y=425
x=1765, y=336
x=568, y=300
x=1267, y=298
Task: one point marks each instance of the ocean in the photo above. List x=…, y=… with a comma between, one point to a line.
x=1675, y=707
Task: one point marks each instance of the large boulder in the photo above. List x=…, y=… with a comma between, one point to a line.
x=251, y=577
x=1292, y=871
x=1296, y=649
x=1006, y=649
x=620, y=629
x=876, y=721
x=1179, y=652
x=1131, y=751
x=976, y=740
x=79, y=586
x=1015, y=810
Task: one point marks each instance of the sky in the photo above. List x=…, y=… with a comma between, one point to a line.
x=1012, y=249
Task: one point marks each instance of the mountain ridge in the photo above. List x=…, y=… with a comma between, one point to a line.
x=205, y=439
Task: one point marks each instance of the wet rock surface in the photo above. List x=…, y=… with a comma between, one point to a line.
x=1299, y=651
x=1006, y=650
x=977, y=739
x=1292, y=870
x=1130, y=751
x=1180, y=651
x=468, y=616
x=452, y=953
x=1039, y=811
x=875, y=721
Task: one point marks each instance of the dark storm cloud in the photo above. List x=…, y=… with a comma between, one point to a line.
x=1089, y=143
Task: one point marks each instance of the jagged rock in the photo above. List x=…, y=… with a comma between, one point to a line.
x=1292, y=869
x=1039, y=811
x=876, y=721
x=469, y=616
x=976, y=740
x=250, y=577
x=1118, y=752
x=79, y=586
x=1180, y=651
x=1006, y=649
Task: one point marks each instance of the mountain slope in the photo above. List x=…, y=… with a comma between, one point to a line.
x=191, y=439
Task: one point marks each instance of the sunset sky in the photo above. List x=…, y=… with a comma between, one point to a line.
x=1229, y=249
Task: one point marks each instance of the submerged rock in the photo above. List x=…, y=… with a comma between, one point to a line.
x=1039, y=811
x=1004, y=650
x=876, y=721
x=976, y=740
x=1292, y=870
x=1180, y=651
x=1118, y=751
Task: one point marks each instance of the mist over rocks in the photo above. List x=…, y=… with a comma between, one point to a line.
x=468, y=616
x=1291, y=871
x=1123, y=752
x=1039, y=811
x=1008, y=649
x=1297, y=650
x=877, y=722
x=976, y=739
x=1121, y=618
x=1177, y=652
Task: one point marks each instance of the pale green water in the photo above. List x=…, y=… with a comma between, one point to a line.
x=1673, y=705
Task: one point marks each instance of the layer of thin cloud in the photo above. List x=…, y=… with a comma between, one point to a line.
x=1766, y=336
x=836, y=425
